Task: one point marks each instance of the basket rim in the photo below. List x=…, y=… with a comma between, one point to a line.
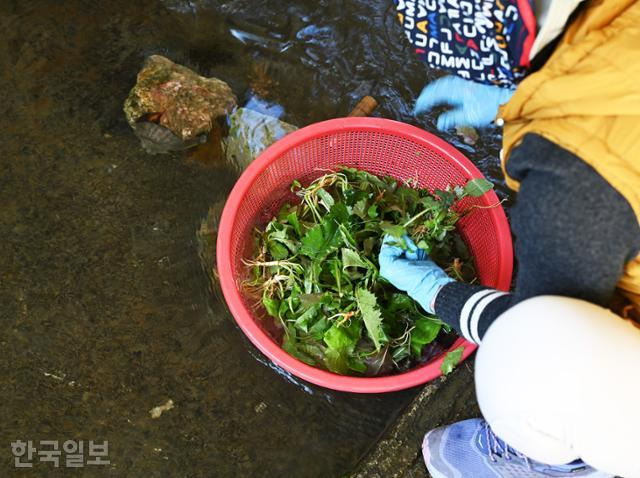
x=243, y=316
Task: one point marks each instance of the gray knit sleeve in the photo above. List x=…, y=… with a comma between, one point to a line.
x=573, y=234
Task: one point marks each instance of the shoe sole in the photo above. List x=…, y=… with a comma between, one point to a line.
x=434, y=472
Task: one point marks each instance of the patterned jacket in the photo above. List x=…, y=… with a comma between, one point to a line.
x=484, y=41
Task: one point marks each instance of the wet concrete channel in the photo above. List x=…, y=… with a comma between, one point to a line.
x=106, y=311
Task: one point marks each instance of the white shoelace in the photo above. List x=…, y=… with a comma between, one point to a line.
x=498, y=447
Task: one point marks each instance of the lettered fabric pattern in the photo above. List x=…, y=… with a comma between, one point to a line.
x=485, y=41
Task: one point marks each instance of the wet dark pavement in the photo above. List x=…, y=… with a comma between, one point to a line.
x=105, y=309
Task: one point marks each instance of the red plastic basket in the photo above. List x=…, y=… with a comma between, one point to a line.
x=382, y=147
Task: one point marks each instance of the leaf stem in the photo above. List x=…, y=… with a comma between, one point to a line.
x=420, y=214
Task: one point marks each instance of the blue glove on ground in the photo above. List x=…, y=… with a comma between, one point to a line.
x=412, y=271
x=474, y=104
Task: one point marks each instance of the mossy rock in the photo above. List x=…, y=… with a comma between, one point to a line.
x=177, y=98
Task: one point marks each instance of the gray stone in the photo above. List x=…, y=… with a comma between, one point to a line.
x=250, y=133
x=445, y=400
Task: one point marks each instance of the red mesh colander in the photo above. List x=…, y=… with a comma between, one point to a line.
x=382, y=147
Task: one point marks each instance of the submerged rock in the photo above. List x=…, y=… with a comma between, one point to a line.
x=157, y=139
x=172, y=108
x=250, y=133
x=468, y=134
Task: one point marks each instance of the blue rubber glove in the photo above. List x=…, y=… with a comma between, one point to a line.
x=474, y=104
x=412, y=271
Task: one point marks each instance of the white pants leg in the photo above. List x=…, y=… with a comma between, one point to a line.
x=559, y=379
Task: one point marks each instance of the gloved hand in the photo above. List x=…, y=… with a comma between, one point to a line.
x=412, y=271
x=475, y=104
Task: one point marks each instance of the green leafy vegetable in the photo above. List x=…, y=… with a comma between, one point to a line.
x=272, y=306
x=325, y=237
x=351, y=258
x=315, y=271
x=293, y=220
x=451, y=360
x=371, y=316
x=325, y=199
x=394, y=230
x=477, y=187
x=425, y=332
x=341, y=342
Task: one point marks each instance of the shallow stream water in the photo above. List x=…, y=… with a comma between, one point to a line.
x=105, y=309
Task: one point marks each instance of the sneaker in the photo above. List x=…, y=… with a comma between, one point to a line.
x=470, y=449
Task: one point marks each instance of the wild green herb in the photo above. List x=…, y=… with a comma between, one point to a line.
x=451, y=360
x=315, y=270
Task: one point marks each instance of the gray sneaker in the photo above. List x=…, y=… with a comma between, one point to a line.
x=470, y=449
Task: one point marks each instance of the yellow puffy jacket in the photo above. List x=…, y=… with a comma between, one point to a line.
x=586, y=98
